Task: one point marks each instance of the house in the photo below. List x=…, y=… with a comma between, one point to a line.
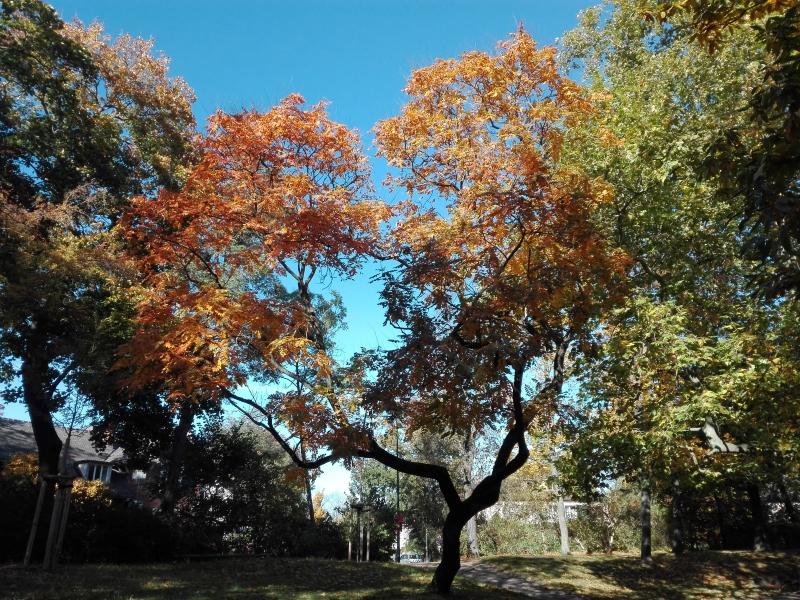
x=108, y=466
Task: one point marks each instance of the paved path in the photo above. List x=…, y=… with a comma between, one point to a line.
x=485, y=573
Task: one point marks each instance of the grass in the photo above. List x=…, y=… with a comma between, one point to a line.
x=236, y=579
x=701, y=575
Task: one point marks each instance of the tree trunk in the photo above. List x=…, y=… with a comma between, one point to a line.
x=473, y=550
x=180, y=437
x=563, y=533
x=367, y=542
x=309, y=498
x=472, y=538
x=307, y=484
x=721, y=510
x=787, y=502
x=485, y=494
x=646, y=523
x=759, y=522
x=50, y=555
x=451, y=554
x=677, y=518
x=360, y=537
x=37, y=399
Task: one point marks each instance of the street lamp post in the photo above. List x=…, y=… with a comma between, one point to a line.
x=361, y=507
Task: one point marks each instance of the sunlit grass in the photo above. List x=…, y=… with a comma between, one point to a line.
x=701, y=575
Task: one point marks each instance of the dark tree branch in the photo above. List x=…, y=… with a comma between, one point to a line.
x=429, y=471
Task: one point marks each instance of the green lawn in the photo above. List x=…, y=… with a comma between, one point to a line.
x=740, y=575
x=239, y=579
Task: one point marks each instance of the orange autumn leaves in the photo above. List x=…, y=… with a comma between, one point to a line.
x=507, y=237
x=484, y=133
x=274, y=194
x=505, y=252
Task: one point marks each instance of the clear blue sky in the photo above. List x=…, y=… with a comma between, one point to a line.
x=356, y=54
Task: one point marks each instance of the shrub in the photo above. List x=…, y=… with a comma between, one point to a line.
x=99, y=528
x=515, y=535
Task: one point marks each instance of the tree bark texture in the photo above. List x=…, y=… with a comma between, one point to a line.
x=37, y=400
x=180, y=437
x=678, y=545
x=563, y=532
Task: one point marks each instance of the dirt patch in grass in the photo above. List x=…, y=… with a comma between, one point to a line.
x=740, y=575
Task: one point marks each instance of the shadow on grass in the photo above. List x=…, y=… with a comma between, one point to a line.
x=238, y=579
x=692, y=575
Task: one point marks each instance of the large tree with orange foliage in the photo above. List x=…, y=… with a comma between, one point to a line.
x=278, y=201
x=501, y=273
x=494, y=276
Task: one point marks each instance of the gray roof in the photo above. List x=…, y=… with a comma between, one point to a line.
x=16, y=437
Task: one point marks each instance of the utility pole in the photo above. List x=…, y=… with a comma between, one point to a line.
x=399, y=525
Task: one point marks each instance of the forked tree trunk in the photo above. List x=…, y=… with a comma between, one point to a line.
x=485, y=494
x=646, y=523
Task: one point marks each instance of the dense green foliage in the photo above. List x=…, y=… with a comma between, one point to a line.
x=694, y=389
x=235, y=497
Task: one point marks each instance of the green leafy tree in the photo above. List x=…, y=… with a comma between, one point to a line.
x=239, y=493
x=84, y=123
x=758, y=159
x=652, y=387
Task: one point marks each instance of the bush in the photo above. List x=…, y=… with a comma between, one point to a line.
x=104, y=530
x=239, y=496
x=613, y=524
x=99, y=528
x=515, y=535
x=18, y=491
